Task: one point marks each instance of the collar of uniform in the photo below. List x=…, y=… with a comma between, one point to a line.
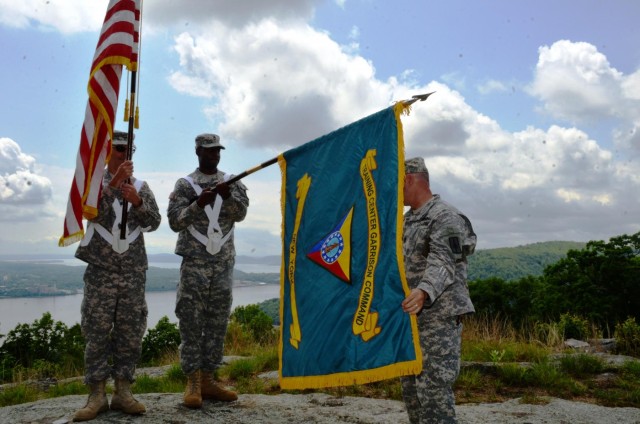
x=422, y=210
x=201, y=178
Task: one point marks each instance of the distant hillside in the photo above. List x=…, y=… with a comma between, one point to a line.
x=513, y=263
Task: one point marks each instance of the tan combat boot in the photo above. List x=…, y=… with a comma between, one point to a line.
x=192, y=394
x=123, y=400
x=212, y=390
x=96, y=403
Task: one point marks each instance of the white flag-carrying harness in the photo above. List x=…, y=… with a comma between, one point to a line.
x=113, y=237
x=214, y=238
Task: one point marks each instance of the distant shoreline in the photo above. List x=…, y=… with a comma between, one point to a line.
x=236, y=284
x=36, y=278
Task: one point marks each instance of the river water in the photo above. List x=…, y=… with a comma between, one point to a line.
x=25, y=310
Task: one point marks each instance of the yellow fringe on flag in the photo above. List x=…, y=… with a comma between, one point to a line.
x=70, y=239
x=400, y=108
x=350, y=378
x=136, y=119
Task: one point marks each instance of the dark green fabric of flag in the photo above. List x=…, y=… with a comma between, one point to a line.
x=322, y=181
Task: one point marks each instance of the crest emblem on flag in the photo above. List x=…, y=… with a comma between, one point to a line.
x=333, y=252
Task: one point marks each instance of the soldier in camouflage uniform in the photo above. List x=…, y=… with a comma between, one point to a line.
x=437, y=238
x=204, y=219
x=114, y=310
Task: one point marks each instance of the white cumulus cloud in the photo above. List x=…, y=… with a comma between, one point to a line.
x=66, y=16
x=577, y=83
x=274, y=85
x=71, y=16
x=22, y=190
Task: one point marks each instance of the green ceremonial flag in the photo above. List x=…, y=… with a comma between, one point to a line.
x=342, y=278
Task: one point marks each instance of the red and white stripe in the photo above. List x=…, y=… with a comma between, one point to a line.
x=117, y=47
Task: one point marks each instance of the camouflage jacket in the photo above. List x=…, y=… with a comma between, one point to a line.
x=183, y=211
x=437, y=239
x=99, y=251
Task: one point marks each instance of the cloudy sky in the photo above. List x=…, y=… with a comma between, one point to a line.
x=534, y=130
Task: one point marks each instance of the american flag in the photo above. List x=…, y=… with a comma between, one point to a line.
x=117, y=47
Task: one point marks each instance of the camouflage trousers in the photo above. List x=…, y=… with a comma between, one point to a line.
x=429, y=396
x=114, y=319
x=203, y=306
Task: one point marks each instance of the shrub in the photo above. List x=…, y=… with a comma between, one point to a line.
x=627, y=335
x=574, y=326
x=46, y=345
x=252, y=319
x=238, y=341
x=271, y=307
x=7, y=365
x=548, y=334
x=164, y=338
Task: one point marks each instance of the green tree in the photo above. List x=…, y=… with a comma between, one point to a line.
x=254, y=320
x=490, y=297
x=599, y=282
x=627, y=335
x=45, y=341
x=513, y=300
x=271, y=307
x=163, y=338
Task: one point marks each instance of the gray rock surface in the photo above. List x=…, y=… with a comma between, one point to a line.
x=166, y=408
x=316, y=408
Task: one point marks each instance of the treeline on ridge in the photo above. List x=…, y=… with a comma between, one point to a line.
x=599, y=283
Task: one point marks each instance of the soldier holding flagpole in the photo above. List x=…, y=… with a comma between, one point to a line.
x=114, y=309
x=203, y=209
x=119, y=209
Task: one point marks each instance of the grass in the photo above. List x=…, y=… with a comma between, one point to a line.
x=18, y=394
x=522, y=363
x=582, y=365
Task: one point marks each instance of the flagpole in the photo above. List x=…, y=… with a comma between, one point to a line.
x=408, y=102
x=132, y=102
x=125, y=204
x=252, y=170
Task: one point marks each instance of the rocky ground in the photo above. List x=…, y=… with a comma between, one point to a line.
x=317, y=408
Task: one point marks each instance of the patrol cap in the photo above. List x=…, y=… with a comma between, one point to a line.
x=120, y=138
x=414, y=166
x=208, y=140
